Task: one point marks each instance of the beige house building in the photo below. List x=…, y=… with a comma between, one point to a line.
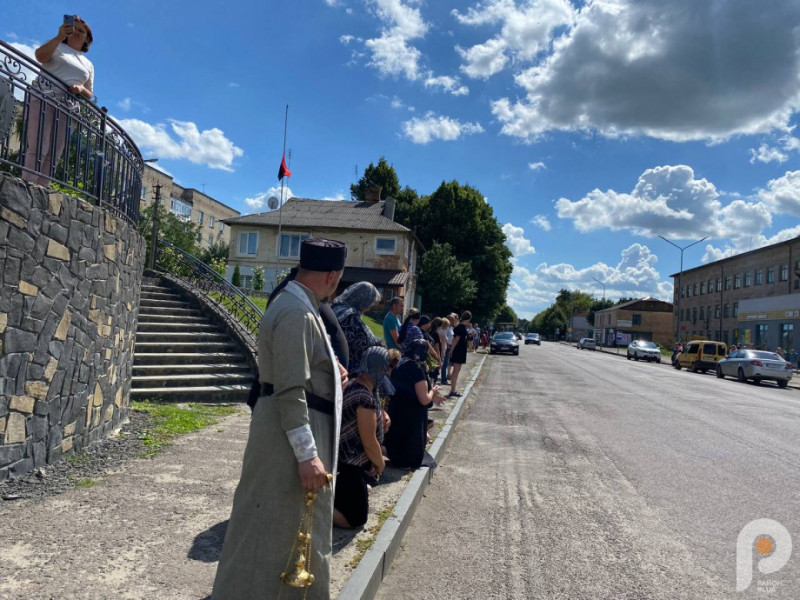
x=749, y=299
x=189, y=204
x=379, y=250
x=644, y=319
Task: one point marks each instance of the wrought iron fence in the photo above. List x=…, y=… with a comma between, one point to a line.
x=50, y=135
x=202, y=278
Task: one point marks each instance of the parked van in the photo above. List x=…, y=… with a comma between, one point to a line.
x=701, y=355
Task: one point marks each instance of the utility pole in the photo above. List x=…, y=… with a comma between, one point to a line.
x=680, y=287
x=154, y=234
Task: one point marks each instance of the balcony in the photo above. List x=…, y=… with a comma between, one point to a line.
x=54, y=138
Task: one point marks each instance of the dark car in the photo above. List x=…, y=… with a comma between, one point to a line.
x=504, y=341
x=533, y=338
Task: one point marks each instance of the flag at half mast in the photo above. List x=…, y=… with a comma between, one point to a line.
x=283, y=171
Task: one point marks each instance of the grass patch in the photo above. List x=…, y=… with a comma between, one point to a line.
x=365, y=543
x=170, y=420
x=261, y=303
x=375, y=326
x=78, y=458
x=85, y=483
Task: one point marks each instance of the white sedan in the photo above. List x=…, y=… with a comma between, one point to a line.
x=756, y=365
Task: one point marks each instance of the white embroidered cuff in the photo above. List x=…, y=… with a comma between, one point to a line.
x=302, y=442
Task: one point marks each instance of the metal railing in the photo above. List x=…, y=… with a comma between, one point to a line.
x=202, y=278
x=50, y=135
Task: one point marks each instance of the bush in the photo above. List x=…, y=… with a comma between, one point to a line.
x=237, y=277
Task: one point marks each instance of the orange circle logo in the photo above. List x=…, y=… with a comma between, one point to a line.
x=764, y=546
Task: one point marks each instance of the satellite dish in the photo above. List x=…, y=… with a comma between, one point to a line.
x=272, y=203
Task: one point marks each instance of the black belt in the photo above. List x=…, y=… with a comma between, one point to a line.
x=313, y=401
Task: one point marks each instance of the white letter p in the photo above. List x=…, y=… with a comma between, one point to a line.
x=755, y=531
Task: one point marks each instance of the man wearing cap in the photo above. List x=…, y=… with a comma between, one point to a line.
x=293, y=439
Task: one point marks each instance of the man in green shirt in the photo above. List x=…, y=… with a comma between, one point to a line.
x=392, y=322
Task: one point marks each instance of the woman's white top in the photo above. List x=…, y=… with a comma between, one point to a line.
x=72, y=67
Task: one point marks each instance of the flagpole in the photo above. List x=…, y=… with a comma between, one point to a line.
x=280, y=199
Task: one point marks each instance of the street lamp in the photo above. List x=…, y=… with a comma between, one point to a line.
x=604, y=288
x=680, y=279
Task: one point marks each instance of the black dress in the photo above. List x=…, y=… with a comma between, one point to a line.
x=405, y=441
x=459, y=355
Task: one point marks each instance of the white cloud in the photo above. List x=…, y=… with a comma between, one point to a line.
x=233, y=84
x=525, y=32
x=516, y=241
x=541, y=222
x=680, y=70
x=782, y=195
x=391, y=53
x=537, y=166
x=667, y=201
x=531, y=291
x=743, y=244
x=208, y=147
x=28, y=50
x=432, y=127
x=449, y=84
x=767, y=154
x=338, y=197
x=259, y=201
x=125, y=104
x=397, y=104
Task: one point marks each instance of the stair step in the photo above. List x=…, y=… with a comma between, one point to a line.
x=156, y=288
x=145, y=295
x=169, y=326
x=140, y=346
x=149, y=318
x=166, y=379
x=165, y=303
x=142, y=358
x=184, y=336
x=197, y=367
x=209, y=393
x=169, y=311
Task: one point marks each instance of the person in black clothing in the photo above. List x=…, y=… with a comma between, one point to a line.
x=408, y=409
x=459, y=355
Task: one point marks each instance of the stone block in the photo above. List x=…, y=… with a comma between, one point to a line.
x=16, y=197
x=28, y=289
x=54, y=201
x=20, y=240
x=21, y=467
x=37, y=389
x=39, y=427
x=10, y=453
x=111, y=223
x=12, y=217
x=17, y=340
x=3, y=424
x=56, y=250
x=63, y=326
x=35, y=222
x=77, y=231
x=11, y=271
x=40, y=307
x=34, y=371
x=53, y=288
x=40, y=247
x=99, y=271
x=50, y=369
x=87, y=254
x=39, y=452
x=59, y=233
x=67, y=443
x=110, y=251
x=40, y=276
x=15, y=428
x=3, y=322
x=70, y=429
x=22, y=404
x=108, y=414
x=98, y=395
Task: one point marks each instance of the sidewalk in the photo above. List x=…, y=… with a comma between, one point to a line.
x=154, y=528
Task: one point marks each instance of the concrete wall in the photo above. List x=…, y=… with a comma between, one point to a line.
x=70, y=275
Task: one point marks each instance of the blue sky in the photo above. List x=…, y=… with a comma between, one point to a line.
x=590, y=127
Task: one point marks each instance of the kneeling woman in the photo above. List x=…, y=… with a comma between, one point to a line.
x=408, y=408
x=363, y=425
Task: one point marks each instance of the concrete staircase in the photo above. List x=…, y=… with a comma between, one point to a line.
x=182, y=355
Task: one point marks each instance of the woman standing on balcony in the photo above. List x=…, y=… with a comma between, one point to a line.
x=64, y=57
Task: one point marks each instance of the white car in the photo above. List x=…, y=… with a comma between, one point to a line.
x=757, y=365
x=640, y=349
x=587, y=344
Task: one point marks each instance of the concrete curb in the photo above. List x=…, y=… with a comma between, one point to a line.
x=363, y=584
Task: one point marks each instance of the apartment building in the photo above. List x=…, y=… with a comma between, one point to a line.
x=749, y=299
x=642, y=319
x=189, y=204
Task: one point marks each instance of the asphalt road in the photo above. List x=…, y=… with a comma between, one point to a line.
x=580, y=475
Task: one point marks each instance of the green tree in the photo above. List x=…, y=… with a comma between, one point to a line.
x=445, y=283
x=258, y=278
x=460, y=216
x=598, y=305
x=182, y=234
x=507, y=315
x=383, y=175
x=219, y=250
x=236, y=278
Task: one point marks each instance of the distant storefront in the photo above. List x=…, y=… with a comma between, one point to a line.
x=769, y=322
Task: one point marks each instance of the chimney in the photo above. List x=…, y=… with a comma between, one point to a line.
x=388, y=208
x=372, y=194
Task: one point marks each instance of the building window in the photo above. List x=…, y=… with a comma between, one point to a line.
x=210, y=240
x=385, y=245
x=719, y=285
x=211, y=220
x=725, y=337
x=771, y=275
x=199, y=238
x=784, y=272
x=200, y=216
x=710, y=286
x=182, y=209
x=248, y=244
x=702, y=314
x=683, y=293
x=787, y=336
x=221, y=227
x=728, y=283
x=735, y=309
x=144, y=193
x=636, y=320
x=688, y=291
x=680, y=315
x=737, y=281
x=247, y=282
x=694, y=289
x=702, y=287
x=760, y=335
x=748, y=279
x=759, y=277
x=716, y=311
x=694, y=315
x=726, y=311
x=290, y=244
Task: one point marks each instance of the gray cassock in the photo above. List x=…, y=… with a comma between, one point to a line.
x=294, y=354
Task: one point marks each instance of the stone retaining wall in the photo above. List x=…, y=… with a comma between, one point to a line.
x=70, y=277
